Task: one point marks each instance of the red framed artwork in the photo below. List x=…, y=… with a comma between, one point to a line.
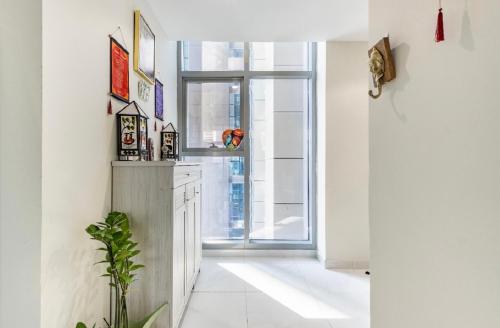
x=119, y=71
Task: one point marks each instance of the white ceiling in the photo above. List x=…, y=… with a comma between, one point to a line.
x=263, y=20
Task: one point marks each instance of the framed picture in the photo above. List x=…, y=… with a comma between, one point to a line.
x=144, y=48
x=119, y=71
x=158, y=100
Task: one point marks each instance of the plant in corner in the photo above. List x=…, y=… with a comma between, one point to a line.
x=119, y=250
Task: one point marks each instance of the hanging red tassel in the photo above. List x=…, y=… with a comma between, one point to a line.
x=155, y=125
x=440, y=26
x=110, y=108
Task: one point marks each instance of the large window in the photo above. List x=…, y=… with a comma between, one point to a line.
x=259, y=196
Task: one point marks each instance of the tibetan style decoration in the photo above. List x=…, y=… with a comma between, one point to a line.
x=169, y=143
x=440, y=25
x=232, y=138
x=110, y=108
x=119, y=76
x=158, y=100
x=132, y=127
x=381, y=66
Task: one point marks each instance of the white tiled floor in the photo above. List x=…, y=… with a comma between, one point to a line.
x=274, y=292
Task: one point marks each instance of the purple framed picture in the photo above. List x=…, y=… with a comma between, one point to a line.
x=158, y=100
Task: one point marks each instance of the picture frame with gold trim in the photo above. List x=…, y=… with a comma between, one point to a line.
x=144, y=48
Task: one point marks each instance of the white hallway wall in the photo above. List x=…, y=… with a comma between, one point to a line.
x=434, y=161
x=343, y=230
x=79, y=142
x=20, y=162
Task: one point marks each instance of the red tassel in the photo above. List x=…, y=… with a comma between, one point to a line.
x=440, y=26
x=110, y=108
x=155, y=125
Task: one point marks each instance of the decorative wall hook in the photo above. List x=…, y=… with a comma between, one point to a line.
x=381, y=66
x=377, y=69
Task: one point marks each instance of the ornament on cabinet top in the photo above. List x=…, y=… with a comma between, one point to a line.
x=169, y=143
x=132, y=133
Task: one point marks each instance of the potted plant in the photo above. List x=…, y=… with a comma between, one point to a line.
x=119, y=249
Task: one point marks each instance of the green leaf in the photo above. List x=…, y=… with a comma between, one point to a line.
x=103, y=261
x=81, y=325
x=131, y=246
x=150, y=319
x=92, y=229
x=136, y=267
x=123, y=255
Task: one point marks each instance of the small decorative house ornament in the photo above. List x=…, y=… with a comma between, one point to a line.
x=132, y=125
x=381, y=66
x=169, y=143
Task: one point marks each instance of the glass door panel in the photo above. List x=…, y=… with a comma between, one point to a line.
x=279, y=129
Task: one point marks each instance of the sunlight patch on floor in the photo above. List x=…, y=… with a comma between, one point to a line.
x=294, y=299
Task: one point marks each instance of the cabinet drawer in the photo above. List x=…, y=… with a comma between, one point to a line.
x=186, y=174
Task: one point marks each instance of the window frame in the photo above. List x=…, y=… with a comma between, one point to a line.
x=245, y=76
x=182, y=115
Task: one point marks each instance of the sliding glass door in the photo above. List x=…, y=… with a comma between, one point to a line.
x=259, y=196
x=279, y=153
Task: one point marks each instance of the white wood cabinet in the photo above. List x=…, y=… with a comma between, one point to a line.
x=163, y=202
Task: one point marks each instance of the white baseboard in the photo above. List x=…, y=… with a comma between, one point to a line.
x=327, y=263
x=321, y=260
x=258, y=253
x=346, y=265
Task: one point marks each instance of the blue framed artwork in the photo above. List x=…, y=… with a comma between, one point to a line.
x=158, y=100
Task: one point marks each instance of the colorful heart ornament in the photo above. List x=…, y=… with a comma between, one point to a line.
x=232, y=138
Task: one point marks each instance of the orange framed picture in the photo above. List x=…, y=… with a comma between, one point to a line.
x=119, y=71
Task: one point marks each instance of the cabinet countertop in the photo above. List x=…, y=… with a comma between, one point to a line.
x=152, y=163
